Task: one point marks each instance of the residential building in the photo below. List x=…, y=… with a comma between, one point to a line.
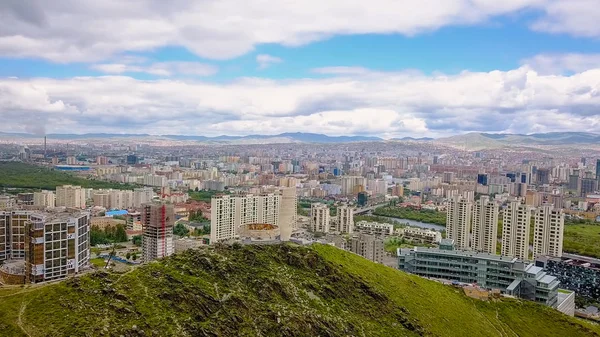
x=229, y=212
x=515, y=230
x=507, y=274
x=368, y=246
x=374, y=228
x=70, y=196
x=157, y=239
x=448, y=177
x=458, y=221
x=43, y=246
x=588, y=186
x=377, y=186
x=288, y=213
x=485, y=225
x=420, y=235
x=142, y=196
x=320, y=218
x=58, y=245
x=353, y=184
x=345, y=219
x=548, y=231
x=44, y=199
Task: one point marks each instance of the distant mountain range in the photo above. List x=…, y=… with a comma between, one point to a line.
x=469, y=141
x=476, y=141
x=298, y=137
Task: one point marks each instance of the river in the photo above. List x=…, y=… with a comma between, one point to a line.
x=415, y=223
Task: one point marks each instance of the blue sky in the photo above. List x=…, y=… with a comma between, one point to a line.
x=419, y=67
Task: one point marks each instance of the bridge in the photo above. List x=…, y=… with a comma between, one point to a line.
x=367, y=209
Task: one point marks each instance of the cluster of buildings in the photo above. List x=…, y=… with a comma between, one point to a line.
x=473, y=225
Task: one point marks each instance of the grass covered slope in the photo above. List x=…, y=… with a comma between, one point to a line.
x=280, y=290
x=27, y=176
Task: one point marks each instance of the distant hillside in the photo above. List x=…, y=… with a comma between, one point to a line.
x=250, y=139
x=469, y=141
x=477, y=141
x=281, y=290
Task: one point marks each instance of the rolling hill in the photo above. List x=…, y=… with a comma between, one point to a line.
x=279, y=290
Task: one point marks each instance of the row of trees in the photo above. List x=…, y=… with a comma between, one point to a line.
x=197, y=216
x=110, y=234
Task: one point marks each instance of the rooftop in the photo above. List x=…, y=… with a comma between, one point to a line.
x=465, y=253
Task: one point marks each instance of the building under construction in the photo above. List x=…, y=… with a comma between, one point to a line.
x=157, y=221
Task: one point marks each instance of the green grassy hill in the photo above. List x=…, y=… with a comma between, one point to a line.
x=27, y=176
x=282, y=290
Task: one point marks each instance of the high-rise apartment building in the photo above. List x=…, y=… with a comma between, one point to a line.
x=368, y=246
x=44, y=199
x=515, y=230
x=288, y=213
x=448, y=177
x=353, y=184
x=157, y=223
x=320, y=219
x=229, y=212
x=70, y=196
x=597, y=169
x=43, y=246
x=543, y=176
x=458, y=221
x=548, y=231
x=377, y=186
x=345, y=219
x=574, y=183
x=485, y=225
x=142, y=196
x=58, y=245
x=588, y=186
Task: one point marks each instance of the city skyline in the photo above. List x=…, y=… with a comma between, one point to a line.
x=387, y=69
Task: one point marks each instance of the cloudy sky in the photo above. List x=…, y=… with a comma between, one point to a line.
x=389, y=68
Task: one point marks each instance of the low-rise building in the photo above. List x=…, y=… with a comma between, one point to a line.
x=374, y=228
x=419, y=235
x=508, y=274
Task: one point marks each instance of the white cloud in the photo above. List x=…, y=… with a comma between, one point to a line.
x=159, y=68
x=561, y=63
x=379, y=103
x=341, y=70
x=93, y=31
x=264, y=61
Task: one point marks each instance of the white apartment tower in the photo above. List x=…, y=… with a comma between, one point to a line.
x=70, y=196
x=345, y=219
x=485, y=225
x=320, y=218
x=351, y=184
x=229, y=212
x=548, y=231
x=288, y=212
x=44, y=199
x=515, y=230
x=458, y=222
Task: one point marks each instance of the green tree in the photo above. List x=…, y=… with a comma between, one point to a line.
x=181, y=230
x=128, y=255
x=137, y=240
